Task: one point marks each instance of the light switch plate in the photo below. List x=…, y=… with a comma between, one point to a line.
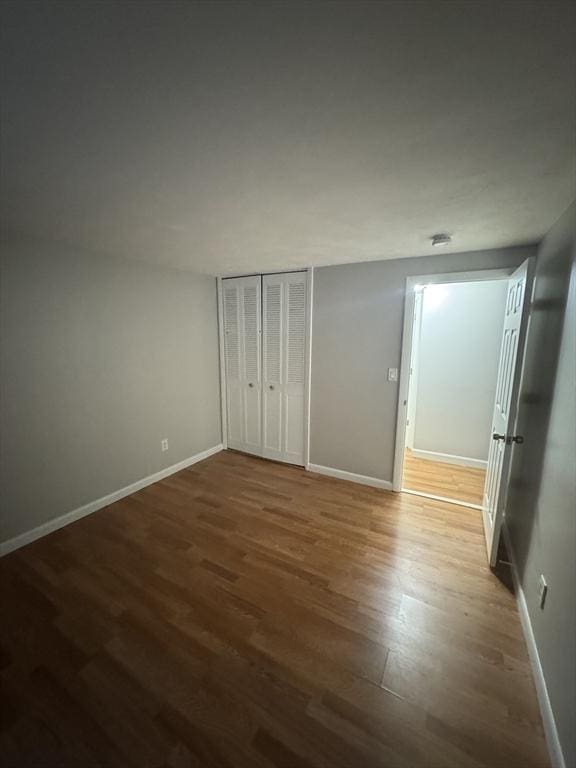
x=392, y=374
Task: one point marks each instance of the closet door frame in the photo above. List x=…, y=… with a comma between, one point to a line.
x=308, y=354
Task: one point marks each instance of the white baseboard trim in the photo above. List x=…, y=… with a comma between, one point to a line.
x=550, y=730
x=59, y=522
x=350, y=476
x=441, y=498
x=448, y=458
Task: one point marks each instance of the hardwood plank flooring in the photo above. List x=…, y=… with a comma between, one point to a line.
x=245, y=613
x=442, y=479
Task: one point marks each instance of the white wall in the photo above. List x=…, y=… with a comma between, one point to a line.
x=101, y=359
x=457, y=365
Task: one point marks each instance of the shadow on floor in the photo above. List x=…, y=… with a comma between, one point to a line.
x=503, y=567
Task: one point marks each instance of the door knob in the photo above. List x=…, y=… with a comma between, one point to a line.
x=271, y=386
x=250, y=384
x=496, y=436
x=517, y=439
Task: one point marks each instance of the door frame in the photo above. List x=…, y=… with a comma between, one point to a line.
x=308, y=351
x=406, y=354
x=412, y=393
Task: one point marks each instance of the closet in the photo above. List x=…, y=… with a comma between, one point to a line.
x=265, y=364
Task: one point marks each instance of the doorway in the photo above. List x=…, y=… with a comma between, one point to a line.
x=456, y=340
x=461, y=365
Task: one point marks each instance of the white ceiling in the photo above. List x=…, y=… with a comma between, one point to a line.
x=229, y=137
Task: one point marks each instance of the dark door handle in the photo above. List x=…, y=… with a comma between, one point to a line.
x=496, y=436
x=517, y=439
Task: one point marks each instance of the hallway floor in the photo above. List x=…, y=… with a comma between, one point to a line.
x=442, y=479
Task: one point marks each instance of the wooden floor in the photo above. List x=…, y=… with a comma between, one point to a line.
x=246, y=613
x=441, y=479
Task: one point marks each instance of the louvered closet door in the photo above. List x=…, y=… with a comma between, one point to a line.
x=242, y=311
x=283, y=345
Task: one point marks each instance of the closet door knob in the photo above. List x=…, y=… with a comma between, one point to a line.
x=271, y=386
x=250, y=384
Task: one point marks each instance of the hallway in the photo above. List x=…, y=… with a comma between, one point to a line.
x=441, y=479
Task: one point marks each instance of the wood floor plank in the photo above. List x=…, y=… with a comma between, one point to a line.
x=439, y=478
x=247, y=613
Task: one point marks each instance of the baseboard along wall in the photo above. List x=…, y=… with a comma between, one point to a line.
x=448, y=458
x=548, y=721
x=446, y=499
x=350, y=476
x=76, y=514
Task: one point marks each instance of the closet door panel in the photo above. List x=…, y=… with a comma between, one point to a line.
x=272, y=347
x=241, y=299
x=232, y=357
x=251, y=311
x=284, y=336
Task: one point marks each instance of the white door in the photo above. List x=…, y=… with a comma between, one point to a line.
x=505, y=407
x=242, y=312
x=283, y=345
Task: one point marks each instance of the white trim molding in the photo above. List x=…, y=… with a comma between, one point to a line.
x=448, y=458
x=548, y=721
x=403, y=385
x=308, y=362
x=442, y=498
x=222, y=358
x=350, y=476
x=93, y=506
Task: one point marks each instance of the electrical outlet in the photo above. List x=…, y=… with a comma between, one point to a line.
x=542, y=590
x=164, y=444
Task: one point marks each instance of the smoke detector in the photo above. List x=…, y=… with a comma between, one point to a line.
x=441, y=239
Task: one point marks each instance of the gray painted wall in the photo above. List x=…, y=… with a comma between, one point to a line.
x=357, y=333
x=541, y=514
x=460, y=337
x=101, y=359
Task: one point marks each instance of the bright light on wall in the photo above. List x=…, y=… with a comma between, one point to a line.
x=435, y=295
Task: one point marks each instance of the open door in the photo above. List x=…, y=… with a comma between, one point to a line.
x=503, y=437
